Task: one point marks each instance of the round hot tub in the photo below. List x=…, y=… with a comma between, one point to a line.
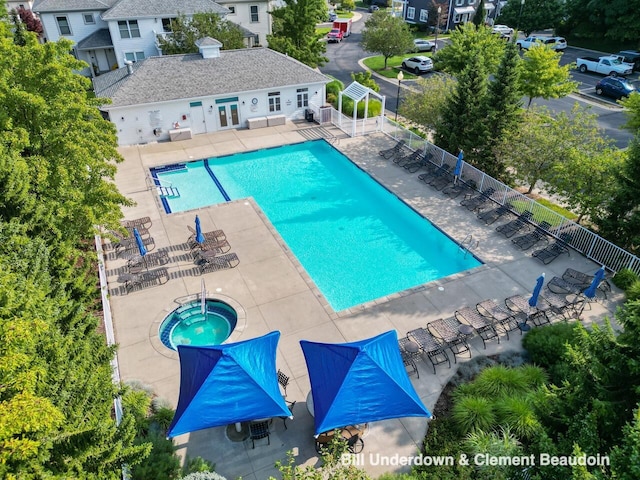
x=188, y=325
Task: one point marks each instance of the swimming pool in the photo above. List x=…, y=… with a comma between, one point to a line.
x=356, y=240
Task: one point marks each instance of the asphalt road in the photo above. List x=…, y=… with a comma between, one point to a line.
x=344, y=56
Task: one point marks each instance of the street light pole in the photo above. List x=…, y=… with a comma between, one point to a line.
x=435, y=46
x=519, y=15
x=400, y=77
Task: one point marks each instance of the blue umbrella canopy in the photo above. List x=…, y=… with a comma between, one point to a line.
x=225, y=384
x=458, y=169
x=141, y=248
x=533, y=301
x=359, y=382
x=597, y=278
x=199, y=235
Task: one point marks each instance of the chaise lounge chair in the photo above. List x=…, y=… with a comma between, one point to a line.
x=128, y=244
x=155, y=259
x=500, y=315
x=208, y=261
x=430, y=346
x=423, y=162
x=139, y=223
x=454, y=190
x=393, y=151
x=482, y=325
x=144, y=278
x=491, y=216
x=528, y=240
x=476, y=203
x=214, y=235
x=552, y=251
x=448, y=331
x=441, y=178
x=573, y=281
x=509, y=229
x=407, y=158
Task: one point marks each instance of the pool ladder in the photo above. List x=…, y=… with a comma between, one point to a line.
x=466, y=245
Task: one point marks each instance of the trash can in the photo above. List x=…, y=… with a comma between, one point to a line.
x=308, y=115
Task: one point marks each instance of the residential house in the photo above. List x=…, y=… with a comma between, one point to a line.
x=172, y=96
x=108, y=33
x=16, y=4
x=452, y=12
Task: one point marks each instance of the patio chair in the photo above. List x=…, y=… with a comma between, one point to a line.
x=156, y=259
x=290, y=405
x=528, y=240
x=583, y=280
x=482, y=325
x=210, y=262
x=283, y=380
x=352, y=435
x=216, y=235
x=146, y=278
x=568, y=305
x=552, y=251
x=259, y=430
x=393, y=151
x=142, y=222
x=509, y=229
x=491, y=216
x=430, y=346
x=128, y=244
x=424, y=161
x=458, y=188
x=477, y=202
x=217, y=246
x=500, y=315
x=449, y=331
x=432, y=168
x=407, y=158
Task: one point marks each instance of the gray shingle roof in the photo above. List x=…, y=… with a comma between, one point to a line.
x=42, y=6
x=172, y=77
x=126, y=9
x=98, y=39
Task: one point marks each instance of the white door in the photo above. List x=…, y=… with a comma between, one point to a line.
x=198, y=124
x=228, y=115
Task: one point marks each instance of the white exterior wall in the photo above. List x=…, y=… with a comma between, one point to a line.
x=15, y=4
x=136, y=124
x=145, y=43
x=79, y=30
x=242, y=17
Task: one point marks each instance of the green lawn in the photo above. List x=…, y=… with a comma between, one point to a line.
x=323, y=31
x=377, y=65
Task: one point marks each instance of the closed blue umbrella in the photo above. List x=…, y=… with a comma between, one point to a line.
x=141, y=248
x=533, y=301
x=458, y=169
x=597, y=278
x=199, y=235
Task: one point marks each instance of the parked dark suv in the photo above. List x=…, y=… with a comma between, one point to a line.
x=630, y=56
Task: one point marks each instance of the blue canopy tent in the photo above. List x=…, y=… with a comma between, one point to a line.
x=359, y=382
x=225, y=384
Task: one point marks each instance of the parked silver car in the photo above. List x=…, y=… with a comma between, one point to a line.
x=422, y=45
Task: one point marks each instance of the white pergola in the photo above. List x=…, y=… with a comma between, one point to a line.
x=357, y=93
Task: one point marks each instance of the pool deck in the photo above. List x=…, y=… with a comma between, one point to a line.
x=272, y=292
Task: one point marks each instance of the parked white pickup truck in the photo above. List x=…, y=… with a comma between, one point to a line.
x=605, y=65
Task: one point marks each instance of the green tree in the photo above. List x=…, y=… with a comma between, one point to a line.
x=625, y=457
x=542, y=75
x=632, y=109
x=621, y=222
x=294, y=31
x=533, y=15
x=365, y=78
x=480, y=15
x=185, y=32
x=462, y=122
x=424, y=103
x=468, y=42
x=348, y=5
x=618, y=19
x=386, y=35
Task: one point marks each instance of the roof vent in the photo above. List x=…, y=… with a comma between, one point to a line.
x=209, y=47
x=129, y=65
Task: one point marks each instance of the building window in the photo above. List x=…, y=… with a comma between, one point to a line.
x=232, y=9
x=459, y=3
x=424, y=15
x=88, y=19
x=129, y=29
x=166, y=24
x=303, y=97
x=457, y=18
x=63, y=25
x=411, y=13
x=134, y=56
x=274, y=101
x=254, y=13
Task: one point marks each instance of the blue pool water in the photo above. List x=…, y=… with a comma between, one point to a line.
x=357, y=241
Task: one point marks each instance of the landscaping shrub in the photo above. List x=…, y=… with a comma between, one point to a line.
x=471, y=413
x=547, y=347
x=334, y=87
x=518, y=415
x=633, y=292
x=443, y=440
x=624, y=279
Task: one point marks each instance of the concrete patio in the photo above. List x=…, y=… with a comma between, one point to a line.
x=271, y=291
